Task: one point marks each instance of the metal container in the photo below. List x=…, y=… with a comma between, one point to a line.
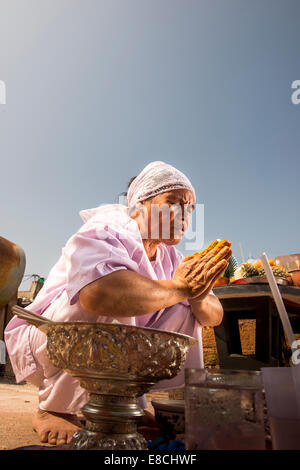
x=264, y=280
x=290, y=262
x=170, y=416
x=296, y=277
x=12, y=267
x=115, y=364
x=223, y=410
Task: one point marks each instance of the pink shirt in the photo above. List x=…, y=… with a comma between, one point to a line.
x=108, y=241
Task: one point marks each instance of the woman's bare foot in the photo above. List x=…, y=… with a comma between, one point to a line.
x=55, y=428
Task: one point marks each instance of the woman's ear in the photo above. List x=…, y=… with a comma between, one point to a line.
x=136, y=210
x=133, y=212
x=141, y=208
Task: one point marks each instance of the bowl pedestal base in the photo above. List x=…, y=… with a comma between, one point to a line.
x=111, y=424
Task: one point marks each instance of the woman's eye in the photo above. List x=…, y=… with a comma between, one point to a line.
x=181, y=209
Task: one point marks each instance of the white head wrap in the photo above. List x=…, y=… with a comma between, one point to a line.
x=156, y=178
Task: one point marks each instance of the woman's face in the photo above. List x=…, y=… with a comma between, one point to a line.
x=166, y=216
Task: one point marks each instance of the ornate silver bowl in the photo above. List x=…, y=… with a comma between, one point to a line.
x=116, y=364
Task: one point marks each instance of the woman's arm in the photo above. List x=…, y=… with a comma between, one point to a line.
x=125, y=293
x=208, y=311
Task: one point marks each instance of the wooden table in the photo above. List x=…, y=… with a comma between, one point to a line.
x=255, y=301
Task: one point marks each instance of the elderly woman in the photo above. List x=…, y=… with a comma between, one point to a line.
x=113, y=268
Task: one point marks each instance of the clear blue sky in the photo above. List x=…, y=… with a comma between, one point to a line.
x=96, y=89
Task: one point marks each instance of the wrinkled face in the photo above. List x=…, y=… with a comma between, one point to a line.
x=166, y=216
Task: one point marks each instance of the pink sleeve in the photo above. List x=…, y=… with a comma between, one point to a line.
x=92, y=254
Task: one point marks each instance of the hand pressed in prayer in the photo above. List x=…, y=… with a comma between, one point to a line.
x=197, y=275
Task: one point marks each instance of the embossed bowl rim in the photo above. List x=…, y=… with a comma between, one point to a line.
x=193, y=341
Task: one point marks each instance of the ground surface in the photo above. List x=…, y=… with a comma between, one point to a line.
x=17, y=406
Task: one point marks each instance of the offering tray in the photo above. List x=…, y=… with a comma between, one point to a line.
x=116, y=364
x=263, y=280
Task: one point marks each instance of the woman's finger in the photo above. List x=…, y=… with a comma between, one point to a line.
x=217, y=245
x=216, y=277
x=196, y=266
x=212, y=276
x=224, y=254
x=217, y=270
x=202, y=253
x=213, y=261
x=212, y=249
x=218, y=252
x=199, y=259
x=202, y=275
